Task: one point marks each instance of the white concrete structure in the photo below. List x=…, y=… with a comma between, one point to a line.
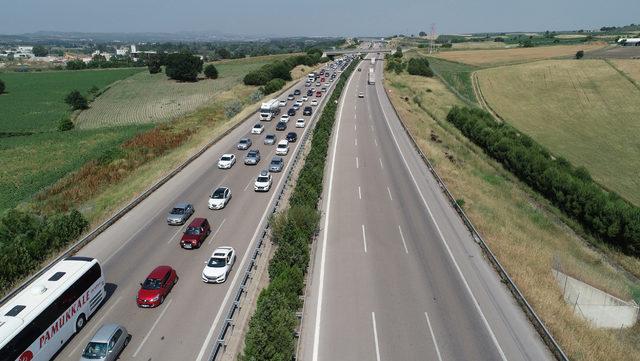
x=599, y=308
x=629, y=42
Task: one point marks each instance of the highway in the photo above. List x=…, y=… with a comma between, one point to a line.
x=185, y=326
x=396, y=275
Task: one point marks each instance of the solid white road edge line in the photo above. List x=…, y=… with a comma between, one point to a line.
x=166, y=307
x=455, y=263
x=323, y=253
x=433, y=336
x=375, y=335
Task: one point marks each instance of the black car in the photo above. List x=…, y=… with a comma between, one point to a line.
x=281, y=126
x=296, y=92
x=292, y=137
x=291, y=112
x=309, y=92
x=307, y=111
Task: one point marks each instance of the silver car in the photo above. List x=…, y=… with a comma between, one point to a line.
x=270, y=139
x=244, y=144
x=106, y=344
x=180, y=213
x=276, y=164
x=253, y=157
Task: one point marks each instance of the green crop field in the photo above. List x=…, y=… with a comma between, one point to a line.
x=583, y=110
x=34, y=101
x=151, y=98
x=30, y=163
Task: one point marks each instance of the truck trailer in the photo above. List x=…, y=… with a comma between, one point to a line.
x=269, y=109
x=372, y=78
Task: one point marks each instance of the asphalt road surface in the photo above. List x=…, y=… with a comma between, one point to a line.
x=396, y=275
x=185, y=326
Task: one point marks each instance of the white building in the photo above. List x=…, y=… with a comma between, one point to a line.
x=629, y=42
x=122, y=51
x=134, y=49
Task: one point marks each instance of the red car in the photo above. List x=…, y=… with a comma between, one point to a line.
x=156, y=287
x=318, y=94
x=195, y=234
x=322, y=80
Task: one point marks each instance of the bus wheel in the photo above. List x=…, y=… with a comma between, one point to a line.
x=80, y=322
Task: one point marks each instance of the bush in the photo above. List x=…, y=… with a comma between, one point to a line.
x=273, y=86
x=2, y=86
x=76, y=100
x=579, y=54
x=603, y=214
x=281, y=69
x=76, y=65
x=271, y=329
x=395, y=64
x=183, y=67
x=154, y=64
x=65, y=124
x=232, y=108
x=419, y=66
x=258, y=77
x=211, y=72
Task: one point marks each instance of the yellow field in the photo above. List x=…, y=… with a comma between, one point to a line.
x=583, y=110
x=516, y=55
x=570, y=36
x=480, y=45
x=630, y=67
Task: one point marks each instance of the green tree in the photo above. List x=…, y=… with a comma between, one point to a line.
x=183, y=66
x=419, y=66
x=211, y=72
x=65, y=124
x=154, y=64
x=258, y=77
x=398, y=53
x=2, y=86
x=40, y=50
x=579, y=54
x=526, y=43
x=273, y=86
x=422, y=33
x=76, y=100
x=76, y=64
x=223, y=53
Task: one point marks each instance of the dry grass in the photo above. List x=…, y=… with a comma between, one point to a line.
x=630, y=67
x=571, y=36
x=516, y=55
x=479, y=45
x=523, y=230
x=583, y=110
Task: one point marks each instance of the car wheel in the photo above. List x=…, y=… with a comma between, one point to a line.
x=80, y=322
x=126, y=341
x=161, y=300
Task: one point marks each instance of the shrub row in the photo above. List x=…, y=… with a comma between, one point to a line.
x=419, y=66
x=27, y=239
x=271, y=328
x=604, y=214
x=281, y=69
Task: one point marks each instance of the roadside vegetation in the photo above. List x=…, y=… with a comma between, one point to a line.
x=529, y=235
x=271, y=329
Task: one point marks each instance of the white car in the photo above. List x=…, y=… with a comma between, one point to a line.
x=284, y=118
x=257, y=129
x=283, y=147
x=219, y=265
x=226, y=161
x=305, y=98
x=314, y=102
x=300, y=123
x=263, y=182
x=219, y=198
x=298, y=103
x=282, y=103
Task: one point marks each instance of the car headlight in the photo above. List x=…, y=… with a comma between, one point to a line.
x=156, y=298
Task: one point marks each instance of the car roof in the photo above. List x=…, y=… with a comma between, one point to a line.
x=197, y=222
x=225, y=250
x=227, y=155
x=284, y=142
x=245, y=139
x=104, y=333
x=279, y=159
x=264, y=173
x=159, y=272
x=181, y=205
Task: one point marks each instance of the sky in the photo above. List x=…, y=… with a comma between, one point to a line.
x=313, y=18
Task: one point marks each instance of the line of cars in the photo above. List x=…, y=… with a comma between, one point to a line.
x=108, y=342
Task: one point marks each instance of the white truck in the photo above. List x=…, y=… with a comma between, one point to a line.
x=373, y=61
x=311, y=77
x=372, y=77
x=269, y=109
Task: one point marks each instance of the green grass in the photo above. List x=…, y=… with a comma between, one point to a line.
x=34, y=102
x=585, y=111
x=152, y=98
x=456, y=75
x=30, y=163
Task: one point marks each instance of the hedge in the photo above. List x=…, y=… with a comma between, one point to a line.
x=271, y=328
x=603, y=214
x=280, y=69
x=27, y=239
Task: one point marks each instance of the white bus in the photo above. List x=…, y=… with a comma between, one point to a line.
x=40, y=319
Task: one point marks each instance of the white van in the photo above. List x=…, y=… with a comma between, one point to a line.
x=283, y=147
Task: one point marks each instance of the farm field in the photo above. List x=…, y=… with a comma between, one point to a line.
x=522, y=229
x=30, y=163
x=516, y=55
x=630, y=67
x=35, y=101
x=479, y=45
x=583, y=110
x=457, y=75
x=152, y=98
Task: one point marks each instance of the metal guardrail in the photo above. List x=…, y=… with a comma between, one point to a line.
x=220, y=343
x=542, y=330
x=71, y=250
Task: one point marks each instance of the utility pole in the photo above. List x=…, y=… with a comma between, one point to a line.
x=432, y=39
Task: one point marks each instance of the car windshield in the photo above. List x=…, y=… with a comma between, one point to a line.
x=193, y=231
x=151, y=284
x=251, y=154
x=263, y=179
x=177, y=211
x=244, y=141
x=95, y=350
x=216, y=262
x=225, y=159
x=275, y=162
x=218, y=194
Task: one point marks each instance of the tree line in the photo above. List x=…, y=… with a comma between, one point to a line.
x=603, y=214
x=271, y=328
